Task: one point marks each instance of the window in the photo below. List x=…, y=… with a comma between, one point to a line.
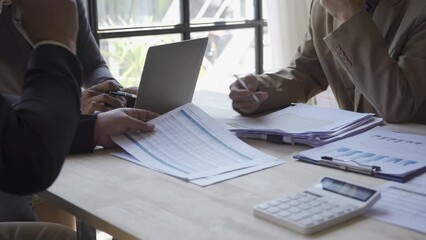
x=237, y=32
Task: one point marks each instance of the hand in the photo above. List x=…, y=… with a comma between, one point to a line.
x=120, y=121
x=50, y=20
x=132, y=90
x=342, y=9
x=96, y=98
x=242, y=100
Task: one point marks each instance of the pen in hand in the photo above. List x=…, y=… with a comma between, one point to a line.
x=123, y=94
x=246, y=88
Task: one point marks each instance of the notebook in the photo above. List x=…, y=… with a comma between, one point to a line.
x=170, y=75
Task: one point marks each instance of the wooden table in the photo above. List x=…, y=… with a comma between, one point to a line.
x=131, y=202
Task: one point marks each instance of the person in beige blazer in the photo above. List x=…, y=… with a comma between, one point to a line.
x=371, y=53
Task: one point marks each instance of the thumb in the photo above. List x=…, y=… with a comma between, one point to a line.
x=251, y=82
x=134, y=124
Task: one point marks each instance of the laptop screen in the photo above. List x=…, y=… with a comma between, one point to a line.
x=170, y=75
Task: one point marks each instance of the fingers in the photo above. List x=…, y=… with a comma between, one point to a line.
x=242, y=99
x=132, y=90
x=93, y=107
x=137, y=119
x=137, y=124
x=140, y=114
x=94, y=97
x=104, y=98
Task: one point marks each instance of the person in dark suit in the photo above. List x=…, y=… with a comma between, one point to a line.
x=97, y=80
x=37, y=131
x=40, y=127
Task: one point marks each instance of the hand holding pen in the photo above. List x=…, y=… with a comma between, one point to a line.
x=240, y=81
x=245, y=97
x=123, y=94
x=99, y=98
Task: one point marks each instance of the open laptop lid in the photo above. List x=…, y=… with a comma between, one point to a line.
x=170, y=75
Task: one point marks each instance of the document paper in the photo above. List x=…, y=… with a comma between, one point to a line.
x=304, y=124
x=397, y=154
x=189, y=144
x=403, y=205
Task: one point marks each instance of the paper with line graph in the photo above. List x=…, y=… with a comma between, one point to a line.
x=189, y=144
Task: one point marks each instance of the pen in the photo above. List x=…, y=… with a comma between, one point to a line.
x=273, y=138
x=246, y=88
x=123, y=94
x=341, y=164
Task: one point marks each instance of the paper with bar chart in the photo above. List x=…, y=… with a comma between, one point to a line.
x=189, y=144
x=398, y=155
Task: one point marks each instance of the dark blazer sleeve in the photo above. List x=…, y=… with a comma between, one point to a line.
x=84, y=138
x=36, y=132
x=94, y=67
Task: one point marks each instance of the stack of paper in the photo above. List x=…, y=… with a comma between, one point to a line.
x=189, y=144
x=304, y=124
x=396, y=156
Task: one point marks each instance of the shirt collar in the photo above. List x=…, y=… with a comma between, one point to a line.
x=4, y=2
x=370, y=6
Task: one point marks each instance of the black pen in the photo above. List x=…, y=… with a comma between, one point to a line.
x=123, y=94
x=273, y=138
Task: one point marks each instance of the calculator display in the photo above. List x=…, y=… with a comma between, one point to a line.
x=346, y=189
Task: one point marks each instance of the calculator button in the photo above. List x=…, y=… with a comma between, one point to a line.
x=283, y=214
x=295, y=197
x=304, y=199
x=293, y=210
x=285, y=200
x=351, y=209
x=307, y=222
x=317, y=218
x=315, y=210
x=310, y=196
x=283, y=206
x=293, y=203
x=273, y=209
x=299, y=216
x=314, y=203
x=304, y=207
x=328, y=214
x=326, y=206
x=339, y=210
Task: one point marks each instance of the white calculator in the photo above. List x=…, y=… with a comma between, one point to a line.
x=326, y=203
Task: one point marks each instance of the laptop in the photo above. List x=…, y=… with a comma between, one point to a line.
x=170, y=75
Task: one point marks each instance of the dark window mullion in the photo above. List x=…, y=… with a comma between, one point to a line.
x=92, y=9
x=181, y=29
x=185, y=19
x=258, y=37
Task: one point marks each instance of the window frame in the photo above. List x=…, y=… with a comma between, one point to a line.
x=185, y=28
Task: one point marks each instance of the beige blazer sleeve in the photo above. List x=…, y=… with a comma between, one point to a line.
x=372, y=64
x=391, y=75
x=301, y=80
